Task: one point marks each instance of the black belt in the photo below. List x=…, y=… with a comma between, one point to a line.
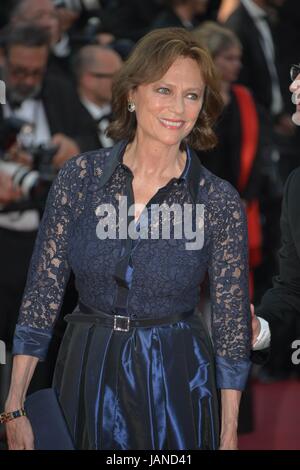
x=122, y=323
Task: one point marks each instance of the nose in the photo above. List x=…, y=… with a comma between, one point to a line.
x=29, y=80
x=295, y=85
x=178, y=103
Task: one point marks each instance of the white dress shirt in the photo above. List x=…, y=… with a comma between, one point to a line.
x=264, y=337
x=97, y=113
x=62, y=48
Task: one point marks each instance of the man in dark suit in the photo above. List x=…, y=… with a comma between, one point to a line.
x=48, y=102
x=53, y=111
x=42, y=13
x=259, y=71
x=280, y=305
x=94, y=68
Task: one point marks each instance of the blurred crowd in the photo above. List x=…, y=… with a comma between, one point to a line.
x=58, y=59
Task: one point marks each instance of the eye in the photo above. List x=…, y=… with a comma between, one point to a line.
x=163, y=90
x=193, y=96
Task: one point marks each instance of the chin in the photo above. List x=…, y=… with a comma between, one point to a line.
x=171, y=141
x=172, y=138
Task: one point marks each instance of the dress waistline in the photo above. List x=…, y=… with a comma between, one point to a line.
x=121, y=323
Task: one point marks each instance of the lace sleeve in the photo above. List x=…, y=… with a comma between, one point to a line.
x=228, y=273
x=49, y=268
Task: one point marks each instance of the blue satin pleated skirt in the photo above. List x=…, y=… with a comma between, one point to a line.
x=149, y=388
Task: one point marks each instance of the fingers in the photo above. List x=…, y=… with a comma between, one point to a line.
x=19, y=155
x=14, y=444
x=252, y=310
x=8, y=193
x=29, y=446
x=67, y=149
x=19, y=434
x=20, y=447
x=29, y=440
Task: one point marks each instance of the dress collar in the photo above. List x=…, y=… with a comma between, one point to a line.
x=190, y=175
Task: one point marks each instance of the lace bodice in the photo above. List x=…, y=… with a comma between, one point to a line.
x=164, y=275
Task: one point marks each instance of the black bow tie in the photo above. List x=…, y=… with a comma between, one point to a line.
x=264, y=17
x=14, y=104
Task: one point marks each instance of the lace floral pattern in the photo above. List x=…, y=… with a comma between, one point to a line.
x=228, y=272
x=165, y=276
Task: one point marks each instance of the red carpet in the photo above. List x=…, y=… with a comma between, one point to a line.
x=277, y=417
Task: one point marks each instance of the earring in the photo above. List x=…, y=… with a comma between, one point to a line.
x=131, y=106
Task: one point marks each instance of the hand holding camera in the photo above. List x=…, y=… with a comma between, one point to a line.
x=19, y=155
x=8, y=192
x=66, y=148
x=30, y=169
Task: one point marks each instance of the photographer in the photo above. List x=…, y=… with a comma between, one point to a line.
x=94, y=68
x=8, y=193
x=280, y=305
x=70, y=24
x=42, y=13
x=45, y=102
x=50, y=107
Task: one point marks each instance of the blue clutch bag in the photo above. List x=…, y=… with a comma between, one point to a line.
x=47, y=420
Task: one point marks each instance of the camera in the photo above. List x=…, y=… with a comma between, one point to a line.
x=34, y=181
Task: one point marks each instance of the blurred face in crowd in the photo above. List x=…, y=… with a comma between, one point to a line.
x=24, y=69
x=40, y=13
x=66, y=17
x=167, y=109
x=228, y=63
x=190, y=8
x=200, y=6
x=97, y=79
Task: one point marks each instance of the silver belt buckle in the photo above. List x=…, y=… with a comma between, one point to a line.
x=121, y=323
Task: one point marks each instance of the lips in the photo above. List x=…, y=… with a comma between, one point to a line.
x=171, y=123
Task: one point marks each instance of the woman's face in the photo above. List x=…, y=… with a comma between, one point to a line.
x=167, y=109
x=228, y=64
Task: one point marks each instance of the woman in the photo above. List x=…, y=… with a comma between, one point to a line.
x=136, y=369
x=238, y=155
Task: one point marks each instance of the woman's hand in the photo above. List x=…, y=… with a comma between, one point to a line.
x=67, y=148
x=19, y=430
x=19, y=434
x=229, y=441
x=230, y=402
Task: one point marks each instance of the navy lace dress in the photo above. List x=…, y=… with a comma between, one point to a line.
x=147, y=388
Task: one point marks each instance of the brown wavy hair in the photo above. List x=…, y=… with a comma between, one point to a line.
x=151, y=58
